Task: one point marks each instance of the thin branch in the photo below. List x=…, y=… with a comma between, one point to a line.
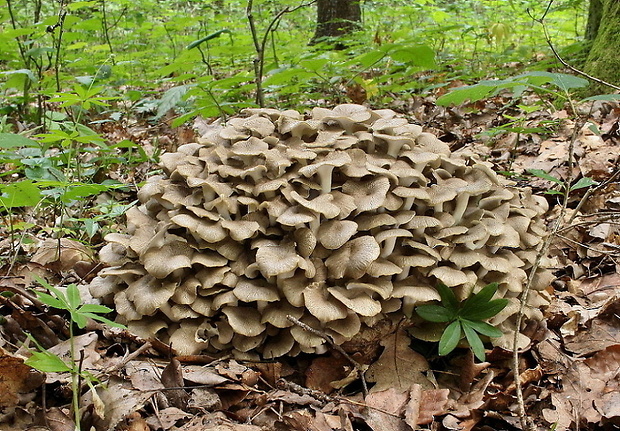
x=541, y=21
x=523, y=300
x=361, y=368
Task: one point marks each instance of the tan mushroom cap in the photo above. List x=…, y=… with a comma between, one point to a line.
x=275, y=259
x=252, y=290
x=174, y=253
x=359, y=302
x=368, y=195
x=275, y=314
x=449, y=276
x=333, y=234
x=353, y=258
x=244, y=320
x=203, y=229
x=319, y=303
x=324, y=167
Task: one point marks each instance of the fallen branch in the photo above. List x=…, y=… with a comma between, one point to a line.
x=361, y=368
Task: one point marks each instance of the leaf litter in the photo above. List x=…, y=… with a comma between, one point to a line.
x=570, y=375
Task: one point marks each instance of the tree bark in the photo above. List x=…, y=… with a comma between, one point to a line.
x=595, y=13
x=603, y=61
x=336, y=18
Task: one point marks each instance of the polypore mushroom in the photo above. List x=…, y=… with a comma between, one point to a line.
x=340, y=219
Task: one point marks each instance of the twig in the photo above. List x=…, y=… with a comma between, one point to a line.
x=320, y=396
x=361, y=368
x=259, y=46
x=523, y=300
x=541, y=21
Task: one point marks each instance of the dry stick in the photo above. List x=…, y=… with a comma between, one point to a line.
x=361, y=368
x=259, y=61
x=523, y=300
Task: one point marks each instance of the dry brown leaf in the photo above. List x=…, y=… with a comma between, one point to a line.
x=386, y=409
x=172, y=377
x=424, y=405
x=589, y=391
x=166, y=418
x=398, y=367
x=119, y=401
x=63, y=255
x=324, y=370
x=17, y=380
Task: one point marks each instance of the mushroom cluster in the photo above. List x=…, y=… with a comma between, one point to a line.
x=339, y=219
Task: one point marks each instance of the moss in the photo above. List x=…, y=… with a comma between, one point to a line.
x=603, y=61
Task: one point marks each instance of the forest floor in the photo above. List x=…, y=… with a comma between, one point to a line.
x=569, y=374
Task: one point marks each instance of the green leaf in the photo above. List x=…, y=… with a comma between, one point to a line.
x=483, y=328
x=19, y=194
x=49, y=300
x=435, y=313
x=474, y=341
x=79, y=319
x=544, y=175
x=170, y=99
x=105, y=320
x=94, y=308
x=473, y=93
x=448, y=299
x=47, y=362
x=450, y=338
x=421, y=55
x=491, y=309
x=605, y=97
x=583, y=183
x=481, y=298
x=12, y=140
x=73, y=296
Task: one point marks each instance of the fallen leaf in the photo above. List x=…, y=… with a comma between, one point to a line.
x=386, y=409
x=424, y=405
x=398, y=367
x=16, y=380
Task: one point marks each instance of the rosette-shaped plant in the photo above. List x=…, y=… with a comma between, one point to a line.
x=340, y=219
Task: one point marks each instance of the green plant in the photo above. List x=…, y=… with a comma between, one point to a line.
x=46, y=361
x=464, y=318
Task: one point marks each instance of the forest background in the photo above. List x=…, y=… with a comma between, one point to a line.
x=92, y=92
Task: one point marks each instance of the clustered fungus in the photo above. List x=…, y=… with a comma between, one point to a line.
x=340, y=219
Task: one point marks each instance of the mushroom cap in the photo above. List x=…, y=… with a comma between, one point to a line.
x=368, y=195
x=275, y=259
x=353, y=258
x=333, y=234
x=319, y=303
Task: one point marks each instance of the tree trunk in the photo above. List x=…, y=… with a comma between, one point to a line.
x=603, y=61
x=336, y=18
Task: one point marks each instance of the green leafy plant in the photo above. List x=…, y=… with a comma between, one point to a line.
x=464, y=318
x=79, y=313
x=582, y=183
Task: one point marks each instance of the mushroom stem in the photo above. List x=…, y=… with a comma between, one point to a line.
x=404, y=274
x=325, y=176
x=315, y=224
x=388, y=247
x=408, y=203
x=461, y=205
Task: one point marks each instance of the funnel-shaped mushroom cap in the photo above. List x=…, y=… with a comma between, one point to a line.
x=275, y=259
x=353, y=258
x=320, y=304
x=368, y=195
x=244, y=320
